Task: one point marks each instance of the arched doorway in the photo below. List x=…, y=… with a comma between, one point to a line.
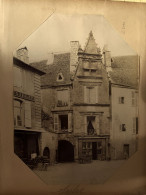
x=65, y=151
x=46, y=152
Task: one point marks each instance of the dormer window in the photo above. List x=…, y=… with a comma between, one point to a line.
x=60, y=77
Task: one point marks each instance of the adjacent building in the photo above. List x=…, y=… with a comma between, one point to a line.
x=89, y=103
x=28, y=131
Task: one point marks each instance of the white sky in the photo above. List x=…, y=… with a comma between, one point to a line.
x=55, y=34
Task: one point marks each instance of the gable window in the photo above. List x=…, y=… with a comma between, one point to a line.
x=121, y=100
x=60, y=77
x=62, y=98
x=91, y=94
x=123, y=127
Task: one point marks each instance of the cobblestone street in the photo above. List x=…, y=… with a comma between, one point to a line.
x=96, y=172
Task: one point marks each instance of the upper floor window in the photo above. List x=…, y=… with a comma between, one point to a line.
x=28, y=82
x=91, y=94
x=121, y=100
x=123, y=127
x=17, y=72
x=22, y=113
x=24, y=80
x=90, y=125
x=63, y=122
x=18, y=113
x=62, y=97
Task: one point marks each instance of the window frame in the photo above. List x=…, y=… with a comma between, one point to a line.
x=123, y=127
x=122, y=100
x=21, y=113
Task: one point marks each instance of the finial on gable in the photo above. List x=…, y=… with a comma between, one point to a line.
x=91, y=33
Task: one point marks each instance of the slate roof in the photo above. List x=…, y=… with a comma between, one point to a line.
x=29, y=67
x=125, y=71
x=61, y=64
x=42, y=65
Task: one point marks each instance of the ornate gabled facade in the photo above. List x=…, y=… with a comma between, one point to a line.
x=77, y=96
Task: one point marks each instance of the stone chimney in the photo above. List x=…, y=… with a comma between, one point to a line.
x=50, y=58
x=74, y=46
x=107, y=58
x=22, y=54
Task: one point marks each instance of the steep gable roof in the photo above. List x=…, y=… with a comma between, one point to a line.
x=61, y=65
x=125, y=71
x=91, y=46
x=42, y=65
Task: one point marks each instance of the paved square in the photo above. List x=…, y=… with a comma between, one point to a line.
x=96, y=172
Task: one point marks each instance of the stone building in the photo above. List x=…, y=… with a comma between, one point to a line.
x=28, y=132
x=79, y=97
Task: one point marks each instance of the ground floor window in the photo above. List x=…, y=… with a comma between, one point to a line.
x=95, y=149
x=86, y=148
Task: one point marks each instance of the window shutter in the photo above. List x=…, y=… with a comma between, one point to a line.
x=27, y=114
x=56, y=123
x=96, y=94
x=85, y=94
x=69, y=122
x=134, y=125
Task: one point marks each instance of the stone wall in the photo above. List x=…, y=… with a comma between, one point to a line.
x=49, y=140
x=80, y=114
x=123, y=114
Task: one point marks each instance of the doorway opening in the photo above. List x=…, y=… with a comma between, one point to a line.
x=46, y=152
x=65, y=151
x=126, y=151
x=94, y=150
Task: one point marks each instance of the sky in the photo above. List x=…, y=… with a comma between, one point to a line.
x=55, y=34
